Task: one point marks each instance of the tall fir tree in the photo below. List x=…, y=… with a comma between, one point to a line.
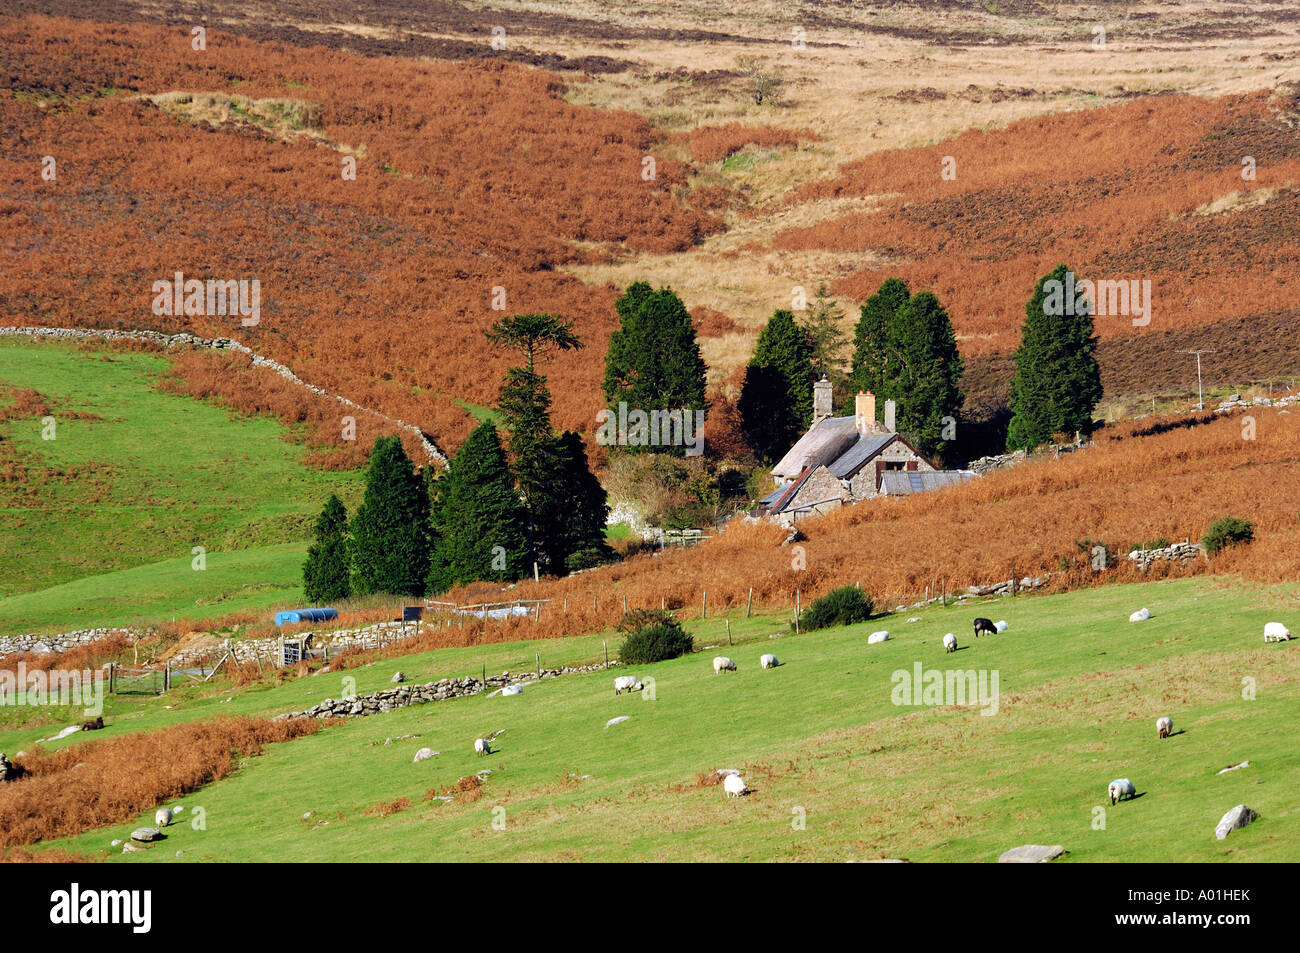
x=579, y=542
x=871, y=368
x=390, y=531
x=479, y=521
x=926, y=370
x=826, y=339
x=326, y=573
x=1057, y=383
x=775, y=406
x=654, y=360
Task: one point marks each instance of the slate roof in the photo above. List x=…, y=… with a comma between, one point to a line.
x=902, y=482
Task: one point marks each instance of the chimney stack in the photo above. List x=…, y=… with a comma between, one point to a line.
x=890, y=410
x=822, y=400
x=865, y=411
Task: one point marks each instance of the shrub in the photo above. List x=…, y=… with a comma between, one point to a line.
x=653, y=635
x=1227, y=532
x=842, y=606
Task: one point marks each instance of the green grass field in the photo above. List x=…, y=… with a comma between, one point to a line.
x=138, y=484
x=819, y=740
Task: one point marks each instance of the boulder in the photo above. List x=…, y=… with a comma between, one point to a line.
x=424, y=754
x=1032, y=854
x=398, y=678
x=146, y=834
x=1237, y=818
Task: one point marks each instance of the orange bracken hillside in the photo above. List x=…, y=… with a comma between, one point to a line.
x=1149, y=190
x=469, y=177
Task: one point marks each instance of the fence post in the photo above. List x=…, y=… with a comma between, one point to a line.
x=728, y=631
x=749, y=602
x=606, y=645
x=704, y=605
x=539, y=664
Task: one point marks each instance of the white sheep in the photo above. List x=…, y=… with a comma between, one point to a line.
x=876, y=637
x=1000, y=625
x=1276, y=632
x=162, y=817
x=734, y=785
x=627, y=683
x=950, y=643
x=1141, y=615
x=768, y=660
x=722, y=663
x=1164, y=725
x=481, y=746
x=1119, y=789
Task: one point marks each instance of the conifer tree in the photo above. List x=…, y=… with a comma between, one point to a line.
x=776, y=396
x=326, y=574
x=390, y=533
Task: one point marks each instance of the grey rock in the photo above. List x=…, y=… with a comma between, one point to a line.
x=1235, y=819
x=146, y=834
x=1032, y=854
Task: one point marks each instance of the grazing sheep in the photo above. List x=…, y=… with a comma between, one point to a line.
x=1164, y=725
x=481, y=746
x=877, y=637
x=984, y=625
x=1276, y=632
x=1119, y=789
x=162, y=817
x=627, y=683
x=950, y=643
x=1000, y=625
x=734, y=785
x=768, y=660
x=1141, y=615
x=722, y=663
x=94, y=724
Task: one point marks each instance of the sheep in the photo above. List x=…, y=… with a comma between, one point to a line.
x=1119, y=789
x=877, y=637
x=1000, y=625
x=481, y=746
x=950, y=643
x=94, y=724
x=734, y=785
x=767, y=660
x=162, y=817
x=1141, y=615
x=722, y=663
x=627, y=683
x=1164, y=725
x=1276, y=632
x=984, y=625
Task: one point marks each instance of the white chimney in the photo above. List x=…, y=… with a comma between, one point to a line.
x=890, y=408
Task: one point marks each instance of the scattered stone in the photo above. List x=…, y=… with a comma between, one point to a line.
x=1235, y=819
x=617, y=721
x=130, y=848
x=424, y=754
x=179, y=852
x=116, y=843
x=146, y=834
x=1234, y=767
x=1032, y=854
x=399, y=677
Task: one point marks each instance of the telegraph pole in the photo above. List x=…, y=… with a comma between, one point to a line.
x=1200, y=399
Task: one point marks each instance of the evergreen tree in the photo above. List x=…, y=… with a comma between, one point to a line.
x=1057, y=382
x=579, y=542
x=826, y=339
x=390, y=532
x=325, y=574
x=767, y=422
x=479, y=521
x=871, y=368
x=654, y=360
x=925, y=371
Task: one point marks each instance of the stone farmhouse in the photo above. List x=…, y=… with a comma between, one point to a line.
x=846, y=459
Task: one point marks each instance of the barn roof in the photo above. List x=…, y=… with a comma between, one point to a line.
x=902, y=482
x=867, y=446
